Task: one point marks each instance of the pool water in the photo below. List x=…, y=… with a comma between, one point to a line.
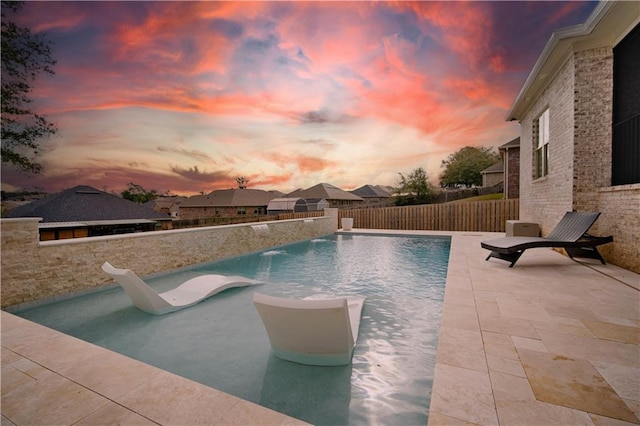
x=221, y=342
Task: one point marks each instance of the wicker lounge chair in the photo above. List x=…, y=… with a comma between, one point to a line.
x=187, y=294
x=312, y=331
x=570, y=234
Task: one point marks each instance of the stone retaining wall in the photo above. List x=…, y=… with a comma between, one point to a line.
x=34, y=270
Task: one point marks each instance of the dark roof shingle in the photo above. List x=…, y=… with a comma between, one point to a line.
x=495, y=168
x=84, y=203
x=368, y=191
x=232, y=198
x=326, y=191
x=511, y=144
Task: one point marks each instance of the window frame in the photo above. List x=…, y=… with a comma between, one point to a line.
x=541, y=137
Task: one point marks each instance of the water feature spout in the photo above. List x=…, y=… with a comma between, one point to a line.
x=261, y=229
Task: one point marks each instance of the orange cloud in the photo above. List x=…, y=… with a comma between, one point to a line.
x=270, y=181
x=304, y=163
x=308, y=164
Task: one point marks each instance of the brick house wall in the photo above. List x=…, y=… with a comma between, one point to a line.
x=492, y=179
x=545, y=200
x=512, y=173
x=592, y=130
x=620, y=208
x=188, y=212
x=580, y=102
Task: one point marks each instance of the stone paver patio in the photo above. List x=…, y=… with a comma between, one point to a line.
x=550, y=341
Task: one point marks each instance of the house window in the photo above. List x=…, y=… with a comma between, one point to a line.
x=625, y=155
x=242, y=210
x=541, y=137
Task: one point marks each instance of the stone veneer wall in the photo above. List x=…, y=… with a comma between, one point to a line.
x=34, y=270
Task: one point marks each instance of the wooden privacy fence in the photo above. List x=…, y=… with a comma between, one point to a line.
x=230, y=220
x=480, y=216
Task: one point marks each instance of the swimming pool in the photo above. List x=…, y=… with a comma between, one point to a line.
x=221, y=342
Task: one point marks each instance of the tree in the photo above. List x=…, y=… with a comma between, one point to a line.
x=138, y=194
x=243, y=182
x=414, y=188
x=24, y=56
x=464, y=166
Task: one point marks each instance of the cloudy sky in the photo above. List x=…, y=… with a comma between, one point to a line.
x=187, y=96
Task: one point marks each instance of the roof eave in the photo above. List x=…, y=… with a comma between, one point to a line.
x=560, y=45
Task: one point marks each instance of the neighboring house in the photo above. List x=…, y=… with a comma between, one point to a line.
x=334, y=195
x=579, y=113
x=296, y=205
x=85, y=211
x=510, y=153
x=375, y=194
x=227, y=203
x=493, y=175
x=167, y=205
x=505, y=173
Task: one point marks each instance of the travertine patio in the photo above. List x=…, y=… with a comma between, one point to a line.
x=550, y=341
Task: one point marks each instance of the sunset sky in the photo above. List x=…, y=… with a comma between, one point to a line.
x=187, y=96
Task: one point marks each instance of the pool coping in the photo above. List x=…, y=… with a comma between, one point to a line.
x=489, y=336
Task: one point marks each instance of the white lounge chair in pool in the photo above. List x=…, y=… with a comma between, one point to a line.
x=187, y=294
x=312, y=331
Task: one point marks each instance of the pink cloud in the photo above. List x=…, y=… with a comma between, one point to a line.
x=465, y=28
x=271, y=181
x=566, y=9
x=232, y=80
x=157, y=41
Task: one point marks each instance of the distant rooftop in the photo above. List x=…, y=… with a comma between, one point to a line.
x=369, y=191
x=511, y=144
x=326, y=191
x=232, y=198
x=496, y=168
x=85, y=204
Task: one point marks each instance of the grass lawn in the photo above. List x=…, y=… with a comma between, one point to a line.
x=487, y=197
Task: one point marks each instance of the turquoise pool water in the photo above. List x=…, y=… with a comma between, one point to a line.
x=221, y=342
